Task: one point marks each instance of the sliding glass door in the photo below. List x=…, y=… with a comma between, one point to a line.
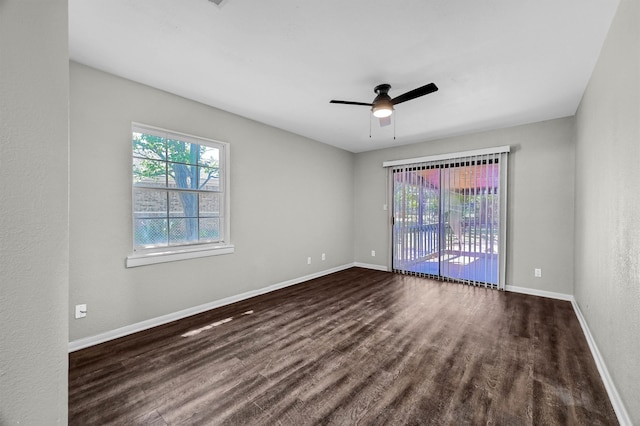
x=447, y=219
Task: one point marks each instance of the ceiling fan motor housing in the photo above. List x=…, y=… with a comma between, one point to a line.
x=382, y=105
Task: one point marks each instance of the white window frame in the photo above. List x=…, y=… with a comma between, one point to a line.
x=149, y=256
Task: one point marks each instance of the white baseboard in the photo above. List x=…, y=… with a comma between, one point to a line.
x=541, y=293
x=164, y=319
x=371, y=266
x=614, y=396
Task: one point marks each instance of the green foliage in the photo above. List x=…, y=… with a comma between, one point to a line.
x=187, y=164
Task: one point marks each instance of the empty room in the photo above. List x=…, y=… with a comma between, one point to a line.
x=367, y=212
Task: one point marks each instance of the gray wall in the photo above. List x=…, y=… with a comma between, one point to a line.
x=290, y=198
x=540, y=217
x=34, y=95
x=607, y=258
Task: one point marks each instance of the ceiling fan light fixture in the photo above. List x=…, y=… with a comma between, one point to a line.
x=382, y=109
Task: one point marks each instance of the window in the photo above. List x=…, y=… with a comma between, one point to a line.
x=180, y=196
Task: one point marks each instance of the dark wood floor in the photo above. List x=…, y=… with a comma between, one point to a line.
x=355, y=347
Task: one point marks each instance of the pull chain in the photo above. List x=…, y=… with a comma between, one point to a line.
x=394, y=125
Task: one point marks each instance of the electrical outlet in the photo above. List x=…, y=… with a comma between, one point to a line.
x=324, y=256
x=537, y=272
x=308, y=260
x=81, y=311
x=373, y=253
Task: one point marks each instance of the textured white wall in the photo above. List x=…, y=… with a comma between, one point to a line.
x=34, y=94
x=290, y=198
x=607, y=258
x=540, y=228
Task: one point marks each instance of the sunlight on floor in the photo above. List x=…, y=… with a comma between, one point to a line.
x=463, y=260
x=443, y=258
x=210, y=326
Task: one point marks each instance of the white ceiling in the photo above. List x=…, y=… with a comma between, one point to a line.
x=497, y=63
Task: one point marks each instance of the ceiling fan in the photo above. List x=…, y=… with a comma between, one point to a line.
x=382, y=105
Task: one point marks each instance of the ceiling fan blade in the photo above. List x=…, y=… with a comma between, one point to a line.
x=349, y=103
x=415, y=93
x=385, y=121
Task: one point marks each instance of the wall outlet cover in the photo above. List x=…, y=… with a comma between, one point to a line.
x=81, y=311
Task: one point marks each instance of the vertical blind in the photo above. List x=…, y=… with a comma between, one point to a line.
x=449, y=216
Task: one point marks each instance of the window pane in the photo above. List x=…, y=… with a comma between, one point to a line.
x=148, y=146
x=183, y=204
x=183, y=176
x=149, y=204
x=210, y=229
x=150, y=232
x=209, y=179
x=210, y=204
x=149, y=172
x=209, y=156
x=183, y=230
x=182, y=152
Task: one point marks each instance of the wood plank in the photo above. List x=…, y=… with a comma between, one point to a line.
x=354, y=347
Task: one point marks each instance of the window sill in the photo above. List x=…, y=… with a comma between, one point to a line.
x=177, y=254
